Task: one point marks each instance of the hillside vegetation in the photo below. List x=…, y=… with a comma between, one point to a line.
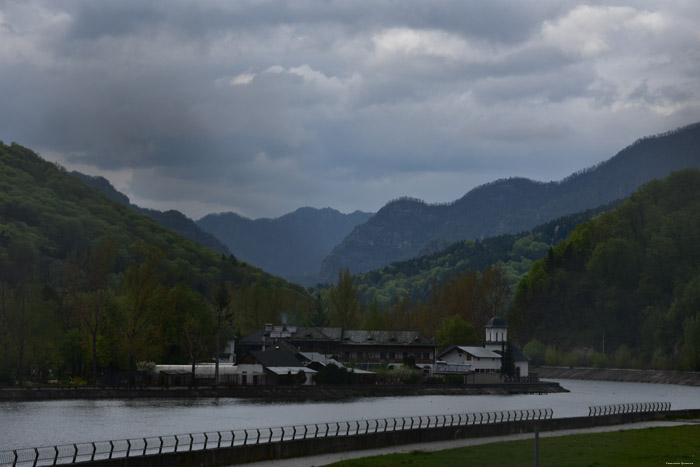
x=407, y=227
x=626, y=283
x=513, y=254
x=88, y=285
x=172, y=219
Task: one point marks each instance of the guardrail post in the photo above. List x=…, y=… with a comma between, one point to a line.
x=337, y=428
x=14, y=461
x=75, y=453
x=36, y=456
x=294, y=432
x=218, y=444
x=94, y=448
x=145, y=445
x=191, y=440
x=160, y=448
x=233, y=437
x=245, y=440
x=111, y=449
x=55, y=454
x=177, y=441
x=316, y=432
x=206, y=441
x=128, y=447
x=326, y=433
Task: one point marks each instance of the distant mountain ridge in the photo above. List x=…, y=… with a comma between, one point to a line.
x=291, y=246
x=407, y=227
x=172, y=219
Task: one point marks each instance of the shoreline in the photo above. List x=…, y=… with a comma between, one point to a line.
x=623, y=375
x=275, y=393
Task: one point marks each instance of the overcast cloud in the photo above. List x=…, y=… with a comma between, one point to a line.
x=261, y=107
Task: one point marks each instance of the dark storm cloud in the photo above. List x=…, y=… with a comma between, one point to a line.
x=262, y=107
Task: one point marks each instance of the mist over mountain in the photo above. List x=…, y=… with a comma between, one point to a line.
x=291, y=246
x=171, y=219
x=407, y=227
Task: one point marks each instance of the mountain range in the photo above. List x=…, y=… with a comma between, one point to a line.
x=408, y=227
x=291, y=246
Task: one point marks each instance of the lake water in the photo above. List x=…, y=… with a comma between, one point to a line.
x=35, y=424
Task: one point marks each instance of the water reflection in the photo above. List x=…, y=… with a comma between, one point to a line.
x=30, y=424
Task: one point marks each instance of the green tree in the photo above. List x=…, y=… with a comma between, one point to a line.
x=508, y=361
x=345, y=301
x=223, y=317
x=456, y=331
x=317, y=315
x=690, y=352
x=87, y=279
x=535, y=349
x=146, y=301
x=374, y=319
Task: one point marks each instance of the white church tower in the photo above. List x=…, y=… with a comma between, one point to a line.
x=496, y=334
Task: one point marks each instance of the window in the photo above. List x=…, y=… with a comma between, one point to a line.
x=469, y=357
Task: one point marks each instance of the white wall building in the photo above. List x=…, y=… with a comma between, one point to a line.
x=480, y=359
x=487, y=359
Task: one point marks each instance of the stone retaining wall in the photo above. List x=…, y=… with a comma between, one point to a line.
x=286, y=393
x=688, y=378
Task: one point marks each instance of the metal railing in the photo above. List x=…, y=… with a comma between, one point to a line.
x=639, y=407
x=86, y=452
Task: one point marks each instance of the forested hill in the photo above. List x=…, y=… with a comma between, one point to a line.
x=628, y=281
x=406, y=228
x=171, y=219
x=513, y=254
x=55, y=214
x=291, y=246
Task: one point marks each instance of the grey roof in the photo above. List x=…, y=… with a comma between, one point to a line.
x=453, y=368
x=518, y=355
x=480, y=352
x=349, y=336
x=275, y=358
x=496, y=322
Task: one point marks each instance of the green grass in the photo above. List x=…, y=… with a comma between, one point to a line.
x=646, y=447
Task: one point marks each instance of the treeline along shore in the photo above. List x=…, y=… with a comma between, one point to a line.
x=285, y=393
x=687, y=378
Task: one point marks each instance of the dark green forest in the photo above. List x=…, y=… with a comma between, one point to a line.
x=625, y=285
x=88, y=286
x=512, y=254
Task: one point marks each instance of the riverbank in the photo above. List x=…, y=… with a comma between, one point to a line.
x=277, y=393
x=332, y=458
x=686, y=378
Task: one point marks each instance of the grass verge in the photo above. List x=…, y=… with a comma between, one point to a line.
x=660, y=446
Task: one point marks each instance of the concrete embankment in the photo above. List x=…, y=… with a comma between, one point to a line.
x=688, y=378
x=286, y=393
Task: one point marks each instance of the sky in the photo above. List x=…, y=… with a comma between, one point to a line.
x=262, y=107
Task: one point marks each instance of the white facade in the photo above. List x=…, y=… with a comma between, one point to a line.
x=250, y=374
x=480, y=359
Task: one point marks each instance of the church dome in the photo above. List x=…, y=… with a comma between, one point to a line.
x=496, y=322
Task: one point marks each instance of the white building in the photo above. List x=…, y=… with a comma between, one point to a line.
x=487, y=358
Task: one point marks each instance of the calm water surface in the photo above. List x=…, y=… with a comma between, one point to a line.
x=33, y=424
